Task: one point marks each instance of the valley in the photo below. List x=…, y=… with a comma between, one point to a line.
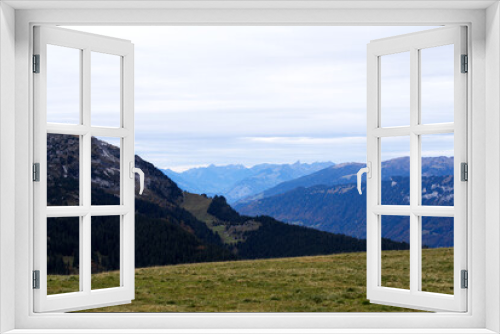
x=172, y=226
x=299, y=249
x=328, y=200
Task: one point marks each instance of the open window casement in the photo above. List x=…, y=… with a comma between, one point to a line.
x=83, y=89
x=405, y=109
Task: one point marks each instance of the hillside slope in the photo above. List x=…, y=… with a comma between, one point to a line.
x=273, y=238
x=168, y=229
x=340, y=208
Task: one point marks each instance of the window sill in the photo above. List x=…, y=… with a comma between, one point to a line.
x=253, y=331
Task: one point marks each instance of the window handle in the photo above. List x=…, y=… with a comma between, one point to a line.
x=368, y=171
x=134, y=170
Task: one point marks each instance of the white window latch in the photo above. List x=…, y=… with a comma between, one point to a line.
x=134, y=170
x=368, y=171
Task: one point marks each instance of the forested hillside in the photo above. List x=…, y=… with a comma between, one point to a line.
x=167, y=230
x=165, y=233
x=275, y=239
x=340, y=208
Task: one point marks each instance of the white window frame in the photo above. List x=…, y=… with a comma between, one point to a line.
x=86, y=44
x=414, y=297
x=483, y=212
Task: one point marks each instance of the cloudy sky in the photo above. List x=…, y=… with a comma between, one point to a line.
x=249, y=95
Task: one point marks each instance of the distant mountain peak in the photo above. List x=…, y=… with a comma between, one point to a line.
x=235, y=181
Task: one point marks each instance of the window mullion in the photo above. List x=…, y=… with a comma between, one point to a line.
x=85, y=178
x=405, y=210
x=85, y=237
x=431, y=129
x=86, y=268
x=86, y=87
x=85, y=159
x=414, y=172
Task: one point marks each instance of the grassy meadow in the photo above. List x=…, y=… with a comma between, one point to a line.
x=332, y=283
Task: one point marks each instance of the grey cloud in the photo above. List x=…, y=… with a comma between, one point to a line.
x=200, y=91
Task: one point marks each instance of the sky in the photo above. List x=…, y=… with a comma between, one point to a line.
x=261, y=94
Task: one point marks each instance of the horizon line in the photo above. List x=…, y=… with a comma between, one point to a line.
x=181, y=169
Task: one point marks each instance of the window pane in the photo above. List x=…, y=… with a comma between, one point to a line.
x=63, y=255
x=63, y=170
x=395, y=89
x=395, y=263
x=437, y=84
x=437, y=254
x=105, y=171
x=395, y=170
x=63, y=85
x=105, y=89
x=437, y=169
x=105, y=256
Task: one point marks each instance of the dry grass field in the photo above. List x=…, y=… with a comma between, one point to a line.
x=333, y=283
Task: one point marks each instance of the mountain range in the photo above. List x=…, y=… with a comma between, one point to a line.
x=345, y=173
x=328, y=200
x=172, y=226
x=235, y=182
x=340, y=209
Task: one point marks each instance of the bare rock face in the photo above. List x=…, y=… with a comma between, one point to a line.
x=63, y=170
x=63, y=173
